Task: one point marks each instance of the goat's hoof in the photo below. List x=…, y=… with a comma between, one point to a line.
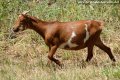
x=113, y=60
x=114, y=63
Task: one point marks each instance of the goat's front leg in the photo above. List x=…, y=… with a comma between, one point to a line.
x=51, y=54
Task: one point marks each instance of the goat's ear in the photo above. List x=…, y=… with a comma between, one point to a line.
x=25, y=12
x=21, y=15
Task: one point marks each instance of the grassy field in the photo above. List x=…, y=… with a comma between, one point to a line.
x=25, y=57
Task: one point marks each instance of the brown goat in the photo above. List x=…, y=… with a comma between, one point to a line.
x=66, y=35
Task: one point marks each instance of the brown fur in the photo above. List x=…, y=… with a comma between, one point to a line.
x=56, y=33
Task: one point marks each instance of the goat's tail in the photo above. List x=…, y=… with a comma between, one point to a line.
x=101, y=23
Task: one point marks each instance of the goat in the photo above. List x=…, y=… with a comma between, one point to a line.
x=66, y=35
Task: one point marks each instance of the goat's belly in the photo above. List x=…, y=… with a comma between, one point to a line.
x=71, y=46
x=74, y=48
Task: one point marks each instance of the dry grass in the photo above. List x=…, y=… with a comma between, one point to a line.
x=24, y=59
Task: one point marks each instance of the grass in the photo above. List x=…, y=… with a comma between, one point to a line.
x=25, y=57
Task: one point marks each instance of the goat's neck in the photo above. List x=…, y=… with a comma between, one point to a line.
x=40, y=27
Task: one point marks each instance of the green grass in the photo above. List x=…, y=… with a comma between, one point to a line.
x=25, y=57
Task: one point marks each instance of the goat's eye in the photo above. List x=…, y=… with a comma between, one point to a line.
x=21, y=22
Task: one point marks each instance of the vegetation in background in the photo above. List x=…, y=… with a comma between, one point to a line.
x=25, y=57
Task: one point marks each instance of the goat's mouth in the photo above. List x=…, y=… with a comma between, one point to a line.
x=19, y=29
x=14, y=33
x=16, y=30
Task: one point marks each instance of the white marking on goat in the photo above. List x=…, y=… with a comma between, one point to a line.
x=69, y=42
x=87, y=33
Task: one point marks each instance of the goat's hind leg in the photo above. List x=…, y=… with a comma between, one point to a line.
x=100, y=44
x=90, y=53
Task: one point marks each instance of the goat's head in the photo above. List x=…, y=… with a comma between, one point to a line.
x=20, y=23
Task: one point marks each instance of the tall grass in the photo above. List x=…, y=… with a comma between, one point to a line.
x=24, y=57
